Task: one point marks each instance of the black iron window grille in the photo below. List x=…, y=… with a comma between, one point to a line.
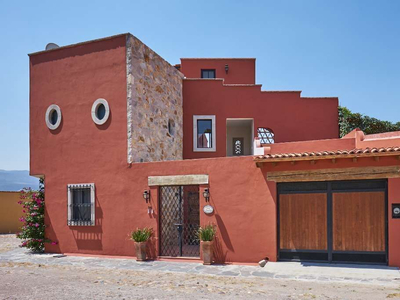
x=81, y=204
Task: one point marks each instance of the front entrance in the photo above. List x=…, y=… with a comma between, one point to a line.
x=179, y=221
x=338, y=221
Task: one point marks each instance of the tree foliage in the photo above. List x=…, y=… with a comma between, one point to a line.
x=349, y=121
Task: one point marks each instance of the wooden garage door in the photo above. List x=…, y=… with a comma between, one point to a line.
x=343, y=221
x=303, y=222
x=359, y=221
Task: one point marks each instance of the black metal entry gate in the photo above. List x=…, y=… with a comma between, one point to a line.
x=179, y=221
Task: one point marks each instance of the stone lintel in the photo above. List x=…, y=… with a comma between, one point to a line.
x=178, y=180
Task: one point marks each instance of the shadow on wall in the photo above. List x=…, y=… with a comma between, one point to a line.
x=90, y=237
x=220, y=255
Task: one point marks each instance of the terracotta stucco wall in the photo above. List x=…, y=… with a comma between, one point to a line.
x=291, y=117
x=73, y=78
x=244, y=207
x=241, y=70
x=154, y=100
x=394, y=224
x=10, y=212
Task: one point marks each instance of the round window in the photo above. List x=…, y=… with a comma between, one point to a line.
x=100, y=111
x=53, y=117
x=171, y=127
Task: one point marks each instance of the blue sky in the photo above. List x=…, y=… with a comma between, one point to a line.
x=348, y=49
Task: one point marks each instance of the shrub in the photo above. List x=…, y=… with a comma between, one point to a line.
x=207, y=233
x=33, y=230
x=141, y=235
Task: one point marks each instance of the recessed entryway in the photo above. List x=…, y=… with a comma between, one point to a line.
x=239, y=137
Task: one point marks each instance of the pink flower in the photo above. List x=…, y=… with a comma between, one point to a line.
x=37, y=225
x=22, y=219
x=54, y=243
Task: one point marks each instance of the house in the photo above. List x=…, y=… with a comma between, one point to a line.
x=123, y=140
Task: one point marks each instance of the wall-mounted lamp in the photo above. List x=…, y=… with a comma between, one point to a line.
x=206, y=194
x=146, y=196
x=226, y=68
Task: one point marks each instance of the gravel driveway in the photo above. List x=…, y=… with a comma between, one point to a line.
x=25, y=276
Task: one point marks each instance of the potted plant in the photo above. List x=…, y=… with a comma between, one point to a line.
x=140, y=237
x=207, y=235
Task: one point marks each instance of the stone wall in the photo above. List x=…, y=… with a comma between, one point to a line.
x=155, y=105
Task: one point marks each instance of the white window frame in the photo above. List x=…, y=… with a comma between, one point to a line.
x=92, y=202
x=213, y=134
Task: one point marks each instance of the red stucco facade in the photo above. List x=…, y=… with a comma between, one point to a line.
x=244, y=201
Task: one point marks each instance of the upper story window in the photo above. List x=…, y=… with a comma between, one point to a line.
x=266, y=135
x=208, y=73
x=204, y=138
x=81, y=204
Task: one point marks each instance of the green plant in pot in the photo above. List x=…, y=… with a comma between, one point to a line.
x=140, y=236
x=206, y=236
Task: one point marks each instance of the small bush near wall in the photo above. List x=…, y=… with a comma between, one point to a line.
x=32, y=232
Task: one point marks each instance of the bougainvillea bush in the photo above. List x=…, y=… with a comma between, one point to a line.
x=32, y=231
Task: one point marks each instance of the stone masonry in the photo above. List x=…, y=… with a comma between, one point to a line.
x=154, y=105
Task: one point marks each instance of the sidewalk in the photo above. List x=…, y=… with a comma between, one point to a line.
x=344, y=273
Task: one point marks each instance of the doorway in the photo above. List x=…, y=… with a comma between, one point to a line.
x=239, y=137
x=179, y=221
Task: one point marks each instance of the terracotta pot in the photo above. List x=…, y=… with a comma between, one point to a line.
x=208, y=252
x=140, y=251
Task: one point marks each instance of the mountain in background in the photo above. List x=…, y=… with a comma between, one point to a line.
x=17, y=180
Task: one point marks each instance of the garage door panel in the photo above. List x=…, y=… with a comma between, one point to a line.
x=303, y=221
x=358, y=221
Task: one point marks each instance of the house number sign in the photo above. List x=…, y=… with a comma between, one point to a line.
x=396, y=211
x=208, y=209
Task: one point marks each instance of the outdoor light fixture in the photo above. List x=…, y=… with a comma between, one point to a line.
x=206, y=194
x=226, y=68
x=146, y=196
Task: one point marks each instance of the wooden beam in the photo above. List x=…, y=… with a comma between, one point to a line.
x=335, y=174
x=302, y=158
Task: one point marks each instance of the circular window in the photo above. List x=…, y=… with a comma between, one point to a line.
x=53, y=117
x=100, y=111
x=171, y=127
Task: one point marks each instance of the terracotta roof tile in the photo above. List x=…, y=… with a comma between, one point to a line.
x=354, y=152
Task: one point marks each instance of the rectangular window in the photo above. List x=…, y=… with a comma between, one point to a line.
x=208, y=73
x=204, y=133
x=81, y=199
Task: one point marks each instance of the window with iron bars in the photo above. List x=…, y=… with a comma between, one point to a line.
x=81, y=208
